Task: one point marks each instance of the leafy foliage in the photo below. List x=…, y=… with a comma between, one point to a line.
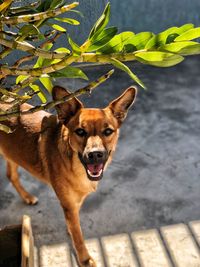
x=24, y=28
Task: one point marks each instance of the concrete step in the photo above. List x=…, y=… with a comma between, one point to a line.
x=170, y=246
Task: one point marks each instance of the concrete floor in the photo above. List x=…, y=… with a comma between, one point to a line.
x=154, y=179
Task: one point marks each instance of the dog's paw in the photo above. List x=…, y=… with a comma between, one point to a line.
x=88, y=263
x=31, y=200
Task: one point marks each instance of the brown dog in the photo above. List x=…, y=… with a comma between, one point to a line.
x=69, y=151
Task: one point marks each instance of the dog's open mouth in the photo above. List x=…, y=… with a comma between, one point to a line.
x=94, y=171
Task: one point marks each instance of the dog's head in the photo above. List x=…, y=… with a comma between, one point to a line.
x=93, y=133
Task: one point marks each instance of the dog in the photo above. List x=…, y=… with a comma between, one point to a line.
x=68, y=151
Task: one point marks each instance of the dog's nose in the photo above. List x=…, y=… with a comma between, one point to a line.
x=96, y=156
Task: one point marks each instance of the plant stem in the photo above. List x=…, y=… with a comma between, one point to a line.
x=87, y=89
x=13, y=95
x=84, y=57
x=38, y=16
x=37, y=24
x=26, y=47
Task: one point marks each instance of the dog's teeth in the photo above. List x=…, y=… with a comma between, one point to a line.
x=96, y=175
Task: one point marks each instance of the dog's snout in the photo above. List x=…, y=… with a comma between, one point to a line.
x=96, y=156
x=95, y=152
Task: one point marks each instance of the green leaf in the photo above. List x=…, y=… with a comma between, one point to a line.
x=140, y=40
x=43, y=61
x=117, y=43
x=46, y=81
x=68, y=20
x=40, y=94
x=39, y=63
x=57, y=27
x=62, y=50
x=167, y=36
x=185, y=28
x=46, y=62
x=30, y=28
x=191, y=50
x=20, y=78
x=100, y=39
x=5, y=128
x=48, y=46
x=152, y=43
x=189, y=35
x=77, y=12
x=172, y=36
x=56, y=4
x=161, y=38
x=76, y=49
x=47, y=4
x=69, y=72
x=178, y=47
x=5, y=5
x=123, y=67
x=101, y=22
x=23, y=10
x=158, y=59
x=58, y=50
x=44, y=5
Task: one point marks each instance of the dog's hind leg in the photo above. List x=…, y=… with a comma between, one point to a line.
x=13, y=176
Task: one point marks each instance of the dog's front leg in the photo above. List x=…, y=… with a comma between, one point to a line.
x=71, y=202
x=74, y=229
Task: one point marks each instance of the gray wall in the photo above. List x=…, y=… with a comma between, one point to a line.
x=139, y=15
x=154, y=15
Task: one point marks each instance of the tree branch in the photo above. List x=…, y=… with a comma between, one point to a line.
x=87, y=89
x=29, y=79
x=30, y=57
x=7, y=50
x=38, y=16
x=17, y=87
x=22, y=60
x=84, y=57
x=12, y=95
x=26, y=47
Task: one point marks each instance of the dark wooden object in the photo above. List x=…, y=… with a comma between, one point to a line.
x=16, y=245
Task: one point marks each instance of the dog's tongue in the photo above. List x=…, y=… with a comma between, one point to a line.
x=95, y=168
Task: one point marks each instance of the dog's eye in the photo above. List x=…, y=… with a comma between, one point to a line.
x=108, y=131
x=80, y=132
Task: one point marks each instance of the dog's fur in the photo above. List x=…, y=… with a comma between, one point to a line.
x=68, y=151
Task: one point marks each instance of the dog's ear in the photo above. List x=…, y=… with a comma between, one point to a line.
x=120, y=106
x=69, y=108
